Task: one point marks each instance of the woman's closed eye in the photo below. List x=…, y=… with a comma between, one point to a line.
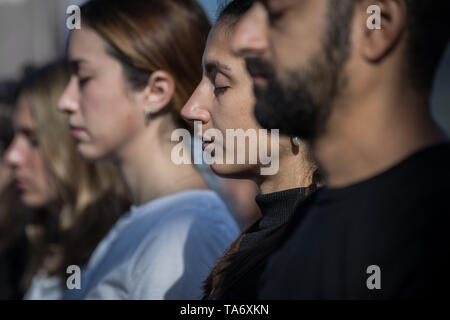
x=30, y=137
x=220, y=90
x=82, y=81
x=34, y=142
x=220, y=85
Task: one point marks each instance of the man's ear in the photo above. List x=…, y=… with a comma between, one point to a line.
x=375, y=44
x=159, y=91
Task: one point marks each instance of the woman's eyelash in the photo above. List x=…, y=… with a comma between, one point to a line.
x=274, y=16
x=83, y=81
x=33, y=141
x=220, y=90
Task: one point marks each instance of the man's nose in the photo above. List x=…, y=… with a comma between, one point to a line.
x=250, y=36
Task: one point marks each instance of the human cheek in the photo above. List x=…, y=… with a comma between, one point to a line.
x=87, y=115
x=220, y=116
x=240, y=113
x=96, y=100
x=38, y=166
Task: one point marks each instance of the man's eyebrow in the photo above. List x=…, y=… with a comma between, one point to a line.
x=214, y=66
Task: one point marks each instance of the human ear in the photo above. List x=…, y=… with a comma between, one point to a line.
x=159, y=91
x=376, y=44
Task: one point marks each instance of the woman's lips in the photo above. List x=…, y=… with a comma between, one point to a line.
x=206, y=144
x=76, y=131
x=21, y=184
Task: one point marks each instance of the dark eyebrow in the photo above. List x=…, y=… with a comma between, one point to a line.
x=214, y=66
x=74, y=65
x=27, y=132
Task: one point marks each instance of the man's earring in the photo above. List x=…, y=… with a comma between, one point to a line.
x=296, y=141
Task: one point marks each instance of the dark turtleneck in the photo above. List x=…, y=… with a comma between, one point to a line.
x=241, y=278
x=276, y=208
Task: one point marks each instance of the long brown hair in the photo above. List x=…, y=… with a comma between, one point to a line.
x=150, y=35
x=90, y=197
x=236, y=264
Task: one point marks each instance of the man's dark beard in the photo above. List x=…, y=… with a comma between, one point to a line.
x=299, y=109
x=302, y=104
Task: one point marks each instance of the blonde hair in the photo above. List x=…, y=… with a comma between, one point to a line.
x=90, y=196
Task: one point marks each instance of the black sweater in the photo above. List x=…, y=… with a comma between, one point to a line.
x=276, y=209
x=397, y=221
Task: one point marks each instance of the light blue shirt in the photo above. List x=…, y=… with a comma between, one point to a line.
x=164, y=249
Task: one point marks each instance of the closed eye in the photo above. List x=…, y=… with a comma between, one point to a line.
x=275, y=16
x=83, y=81
x=220, y=90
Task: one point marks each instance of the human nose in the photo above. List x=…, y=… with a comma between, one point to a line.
x=15, y=154
x=198, y=106
x=251, y=35
x=69, y=100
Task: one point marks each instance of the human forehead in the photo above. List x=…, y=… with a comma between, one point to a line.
x=23, y=114
x=23, y=119
x=276, y=4
x=85, y=45
x=219, y=41
x=218, y=50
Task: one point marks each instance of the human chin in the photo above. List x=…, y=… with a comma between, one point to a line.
x=34, y=199
x=92, y=152
x=234, y=171
x=29, y=200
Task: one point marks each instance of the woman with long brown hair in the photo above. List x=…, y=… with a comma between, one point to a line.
x=74, y=203
x=134, y=65
x=223, y=101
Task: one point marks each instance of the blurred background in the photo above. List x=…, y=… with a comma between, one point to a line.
x=33, y=32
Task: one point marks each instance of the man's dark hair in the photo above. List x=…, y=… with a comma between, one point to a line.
x=429, y=34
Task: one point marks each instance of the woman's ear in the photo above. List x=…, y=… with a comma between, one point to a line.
x=159, y=91
x=375, y=44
